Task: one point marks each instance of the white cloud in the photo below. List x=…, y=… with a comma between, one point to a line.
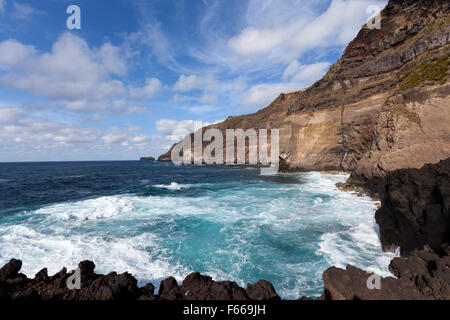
x=282, y=34
x=176, y=130
x=125, y=139
x=71, y=70
x=37, y=139
x=191, y=82
x=305, y=73
x=13, y=54
x=209, y=99
x=23, y=11
x=262, y=94
x=201, y=110
x=173, y=127
x=296, y=77
x=151, y=88
x=74, y=75
x=8, y=115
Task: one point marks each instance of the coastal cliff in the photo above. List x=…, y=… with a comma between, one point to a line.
x=383, y=106
x=381, y=112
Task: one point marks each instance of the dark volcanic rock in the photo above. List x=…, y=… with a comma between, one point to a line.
x=415, y=210
x=423, y=276
x=113, y=286
x=10, y=270
x=169, y=290
x=148, y=159
x=198, y=287
x=262, y=290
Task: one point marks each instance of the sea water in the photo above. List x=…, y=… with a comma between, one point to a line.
x=157, y=220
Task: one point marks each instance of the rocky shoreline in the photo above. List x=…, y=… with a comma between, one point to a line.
x=113, y=286
x=425, y=275
x=414, y=215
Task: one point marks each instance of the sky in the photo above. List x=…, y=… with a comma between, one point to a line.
x=138, y=73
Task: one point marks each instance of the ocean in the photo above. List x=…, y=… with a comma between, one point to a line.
x=157, y=220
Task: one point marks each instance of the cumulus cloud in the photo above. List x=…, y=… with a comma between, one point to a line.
x=191, y=82
x=71, y=70
x=296, y=77
x=36, y=139
x=282, y=34
x=13, y=54
x=73, y=74
x=176, y=130
x=123, y=138
x=152, y=87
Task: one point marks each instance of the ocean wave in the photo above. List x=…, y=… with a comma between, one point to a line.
x=243, y=232
x=172, y=186
x=121, y=254
x=91, y=209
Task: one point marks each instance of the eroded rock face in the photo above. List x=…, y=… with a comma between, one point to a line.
x=383, y=106
x=113, y=286
x=415, y=210
x=423, y=276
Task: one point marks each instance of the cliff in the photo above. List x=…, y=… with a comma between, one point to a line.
x=415, y=210
x=383, y=106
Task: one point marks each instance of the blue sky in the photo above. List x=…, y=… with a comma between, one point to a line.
x=138, y=73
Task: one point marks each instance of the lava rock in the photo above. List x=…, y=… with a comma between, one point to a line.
x=423, y=276
x=415, y=211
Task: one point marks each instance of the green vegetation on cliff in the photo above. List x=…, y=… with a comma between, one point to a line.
x=427, y=73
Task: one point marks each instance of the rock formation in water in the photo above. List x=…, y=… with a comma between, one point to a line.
x=423, y=275
x=147, y=159
x=383, y=106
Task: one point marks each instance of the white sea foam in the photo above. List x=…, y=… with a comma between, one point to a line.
x=254, y=221
x=357, y=243
x=172, y=186
x=129, y=254
x=92, y=209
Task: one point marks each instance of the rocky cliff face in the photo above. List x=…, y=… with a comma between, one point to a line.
x=383, y=106
x=415, y=210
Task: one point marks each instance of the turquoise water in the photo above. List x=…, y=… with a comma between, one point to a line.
x=157, y=220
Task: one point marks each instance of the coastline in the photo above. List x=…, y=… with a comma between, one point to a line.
x=319, y=201
x=332, y=277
